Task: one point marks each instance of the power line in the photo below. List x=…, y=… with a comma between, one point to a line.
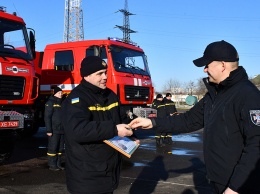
x=126, y=24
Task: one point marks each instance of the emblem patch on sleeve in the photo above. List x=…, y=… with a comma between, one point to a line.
x=255, y=116
x=74, y=100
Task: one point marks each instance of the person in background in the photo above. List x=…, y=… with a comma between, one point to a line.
x=92, y=114
x=158, y=105
x=170, y=110
x=54, y=130
x=230, y=115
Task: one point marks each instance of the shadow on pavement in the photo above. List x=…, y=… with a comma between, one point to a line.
x=160, y=174
x=197, y=168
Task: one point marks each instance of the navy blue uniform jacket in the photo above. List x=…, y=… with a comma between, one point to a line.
x=90, y=115
x=160, y=107
x=52, y=115
x=169, y=106
x=230, y=116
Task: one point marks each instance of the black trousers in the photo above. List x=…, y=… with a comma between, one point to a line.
x=56, y=144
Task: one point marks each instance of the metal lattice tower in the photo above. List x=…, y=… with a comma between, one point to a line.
x=126, y=25
x=73, y=21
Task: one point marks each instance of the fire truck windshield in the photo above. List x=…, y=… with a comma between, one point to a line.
x=14, y=40
x=129, y=61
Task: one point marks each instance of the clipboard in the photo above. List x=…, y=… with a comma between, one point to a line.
x=124, y=145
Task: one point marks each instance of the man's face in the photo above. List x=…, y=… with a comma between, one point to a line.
x=59, y=94
x=169, y=97
x=214, y=71
x=98, y=78
x=160, y=99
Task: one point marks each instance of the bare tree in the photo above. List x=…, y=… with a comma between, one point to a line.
x=255, y=80
x=201, y=88
x=190, y=87
x=172, y=86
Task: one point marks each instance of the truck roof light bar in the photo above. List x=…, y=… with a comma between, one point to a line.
x=121, y=40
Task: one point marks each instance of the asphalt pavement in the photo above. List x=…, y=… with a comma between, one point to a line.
x=177, y=169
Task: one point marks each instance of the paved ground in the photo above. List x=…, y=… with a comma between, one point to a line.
x=175, y=169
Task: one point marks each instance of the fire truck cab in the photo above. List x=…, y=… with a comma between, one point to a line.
x=128, y=72
x=18, y=82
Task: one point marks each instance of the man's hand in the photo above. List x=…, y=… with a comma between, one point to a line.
x=229, y=191
x=124, y=130
x=141, y=122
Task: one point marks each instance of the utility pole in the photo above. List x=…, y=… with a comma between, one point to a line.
x=73, y=21
x=126, y=25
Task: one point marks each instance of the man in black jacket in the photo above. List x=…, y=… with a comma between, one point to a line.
x=54, y=130
x=161, y=113
x=230, y=115
x=170, y=110
x=91, y=114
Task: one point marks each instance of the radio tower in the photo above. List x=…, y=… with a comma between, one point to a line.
x=73, y=21
x=126, y=25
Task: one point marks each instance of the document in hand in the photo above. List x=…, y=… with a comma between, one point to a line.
x=123, y=144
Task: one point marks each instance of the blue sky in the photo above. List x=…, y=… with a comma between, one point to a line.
x=172, y=32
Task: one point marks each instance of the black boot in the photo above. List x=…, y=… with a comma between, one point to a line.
x=52, y=162
x=59, y=164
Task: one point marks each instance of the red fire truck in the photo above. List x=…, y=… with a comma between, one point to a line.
x=18, y=82
x=128, y=73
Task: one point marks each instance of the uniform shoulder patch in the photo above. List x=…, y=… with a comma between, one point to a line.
x=74, y=100
x=255, y=116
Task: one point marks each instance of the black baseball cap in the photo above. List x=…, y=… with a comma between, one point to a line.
x=217, y=51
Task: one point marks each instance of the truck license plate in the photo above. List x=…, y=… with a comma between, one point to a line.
x=9, y=124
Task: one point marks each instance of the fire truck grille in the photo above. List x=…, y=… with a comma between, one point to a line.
x=136, y=93
x=11, y=87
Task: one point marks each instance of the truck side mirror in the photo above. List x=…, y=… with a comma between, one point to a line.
x=32, y=43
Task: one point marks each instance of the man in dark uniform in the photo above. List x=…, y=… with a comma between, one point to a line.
x=54, y=130
x=161, y=113
x=230, y=115
x=91, y=114
x=170, y=110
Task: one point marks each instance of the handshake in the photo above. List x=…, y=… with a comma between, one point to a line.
x=127, y=130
